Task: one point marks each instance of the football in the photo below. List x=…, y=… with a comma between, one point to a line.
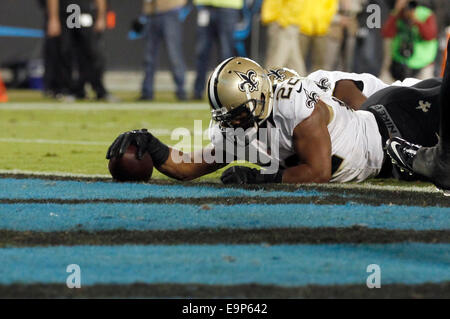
x=129, y=168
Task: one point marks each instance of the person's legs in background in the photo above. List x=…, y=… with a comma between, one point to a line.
x=276, y=56
x=67, y=55
x=98, y=65
x=334, y=43
x=385, y=74
x=172, y=29
x=295, y=59
x=283, y=48
x=226, y=24
x=57, y=71
x=305, y=42
x=153, y=36
x=340, y=47
x=52, y=87
x=92, y=61
x=81, y=65
x=319, y=47
x=206, y=31
x=350, y=45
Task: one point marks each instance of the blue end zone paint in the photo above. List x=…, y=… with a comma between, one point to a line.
x=284, y=265
x=57, y=217
x=38, y=189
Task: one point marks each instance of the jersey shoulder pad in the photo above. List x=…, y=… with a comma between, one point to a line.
x=302, y=98
x=324, y=80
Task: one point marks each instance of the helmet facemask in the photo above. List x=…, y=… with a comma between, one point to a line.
x=246, y=115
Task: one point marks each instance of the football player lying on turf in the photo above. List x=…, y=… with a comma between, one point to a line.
x=321, y=139
x=351, y=88
x=430, y=162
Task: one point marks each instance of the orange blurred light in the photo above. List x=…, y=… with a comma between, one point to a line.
x=111, y=20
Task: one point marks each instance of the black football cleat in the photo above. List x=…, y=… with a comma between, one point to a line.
x=430, y=162
x=402, y=153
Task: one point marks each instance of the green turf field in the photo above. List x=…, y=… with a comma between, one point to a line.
x=43, y=135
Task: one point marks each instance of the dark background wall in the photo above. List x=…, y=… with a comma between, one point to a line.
x=121, y=53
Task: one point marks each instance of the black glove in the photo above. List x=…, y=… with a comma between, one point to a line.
x=247, y=175
x=144, y=142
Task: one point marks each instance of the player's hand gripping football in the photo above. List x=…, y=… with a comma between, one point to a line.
x=140, y=138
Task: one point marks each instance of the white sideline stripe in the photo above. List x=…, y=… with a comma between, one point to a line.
x=104, y=107
x=67, y=142
x=77, y=125
x=57, y=174
x=368, y=186
x=365, y=186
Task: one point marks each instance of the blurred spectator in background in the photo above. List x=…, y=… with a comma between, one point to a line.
x=283, y=48
x=368, y=56
x=342, y=36
x=216, y=22
x=414, y=45
x=56, y=81
x=81, y=45
x=442, y=12
x=315, y=20
x=163, y=24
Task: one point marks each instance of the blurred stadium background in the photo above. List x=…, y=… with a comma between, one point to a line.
x=58, y=205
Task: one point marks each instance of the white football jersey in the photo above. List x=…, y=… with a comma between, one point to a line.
x=357, y=151
x=356, y=142
x=368, y=83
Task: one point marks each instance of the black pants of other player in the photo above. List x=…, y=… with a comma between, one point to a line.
x=414, y=110
x=82, y=46
x=57, y=80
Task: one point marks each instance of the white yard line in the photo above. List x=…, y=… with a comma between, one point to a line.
x=44, y=141
x=367, y=186
x=161, y=132
x=84, y=125
x=57, y=174
x=103, y=107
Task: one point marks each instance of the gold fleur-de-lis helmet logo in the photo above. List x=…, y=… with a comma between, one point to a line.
x=249, y=82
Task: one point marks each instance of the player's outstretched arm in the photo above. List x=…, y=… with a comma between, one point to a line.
x=312, y=144
x=186, y=167
x=168, y=161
